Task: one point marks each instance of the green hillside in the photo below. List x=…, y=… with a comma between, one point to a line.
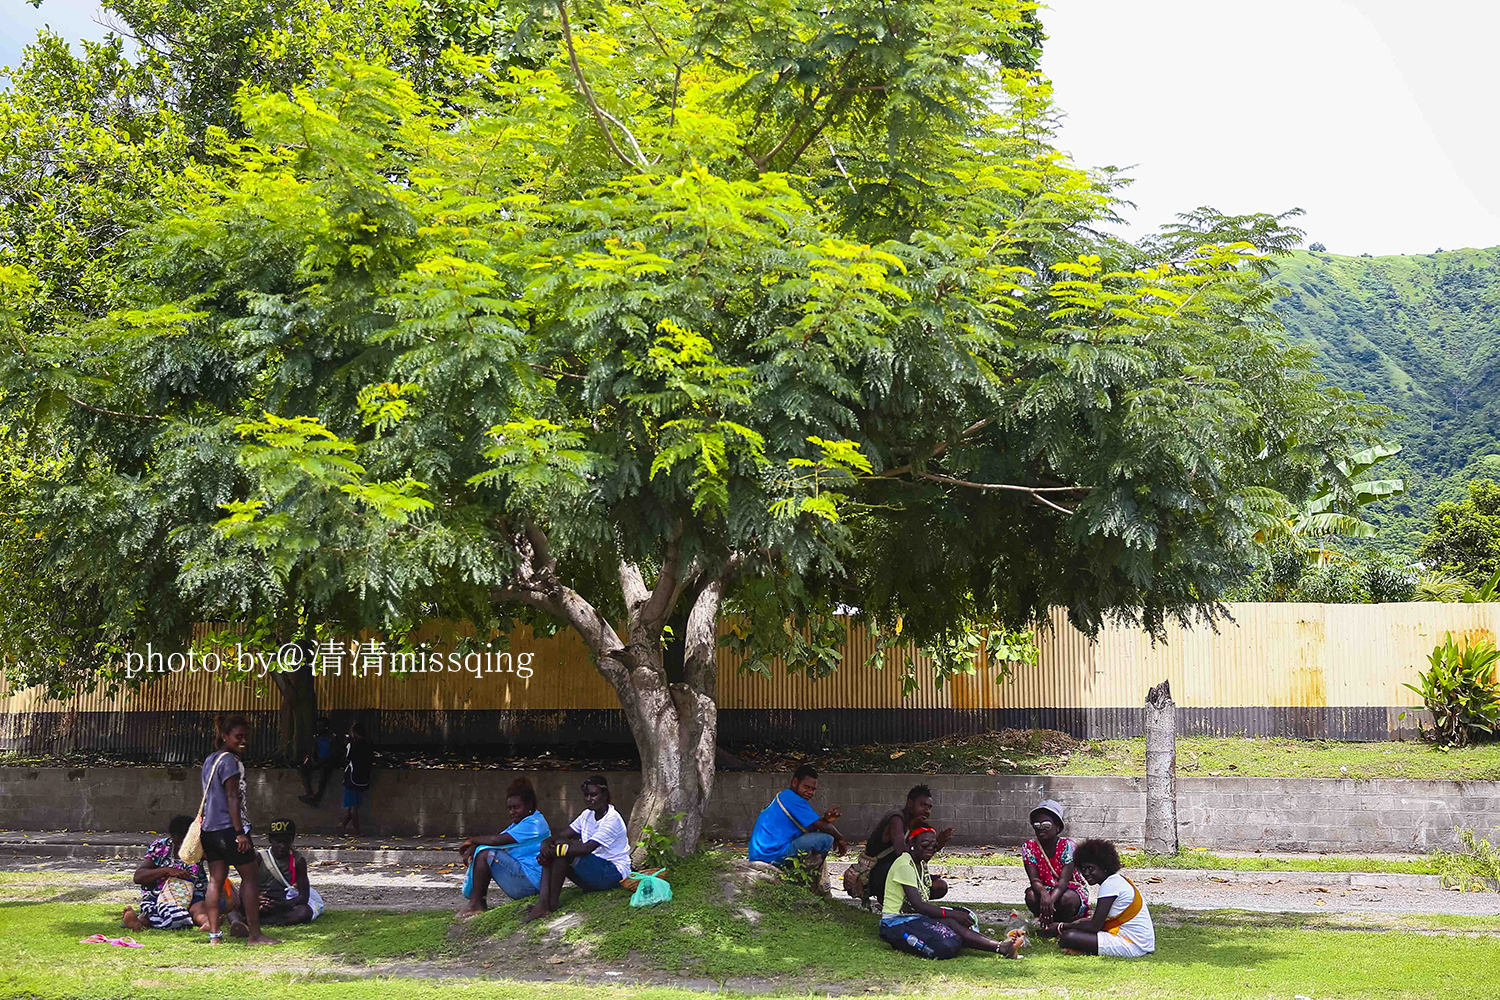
x=1421, y=335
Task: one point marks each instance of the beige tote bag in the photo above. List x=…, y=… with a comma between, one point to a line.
x=191, y=850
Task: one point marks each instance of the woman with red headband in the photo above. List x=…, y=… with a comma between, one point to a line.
x=912, y=923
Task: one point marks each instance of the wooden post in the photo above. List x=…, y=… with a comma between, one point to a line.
x=1161, y=771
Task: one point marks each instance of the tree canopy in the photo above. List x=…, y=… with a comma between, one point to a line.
x=1465, y=535
x=612, y=312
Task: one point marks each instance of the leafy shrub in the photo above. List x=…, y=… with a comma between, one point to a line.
x=1333, y=583
x=1284, y=573
x=797, y=872
x=1460, y=691
x=1445, y=588
x=1473, y=868
x=659, y=850
x=1387, y=583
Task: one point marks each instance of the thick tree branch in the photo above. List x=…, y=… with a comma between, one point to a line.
x=700, y=644
x=663, y=598
x=541, y=551
x=632, y=585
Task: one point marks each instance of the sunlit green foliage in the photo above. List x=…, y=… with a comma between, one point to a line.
x=800, y=297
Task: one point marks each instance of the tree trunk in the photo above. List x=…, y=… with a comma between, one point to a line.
x=299, y=709
x=675, y=724
x=674, y=730
x=674, y=719
x=1161, y=771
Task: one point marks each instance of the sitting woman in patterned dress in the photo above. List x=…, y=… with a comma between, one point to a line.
x=1057, y=893
x=167, y=907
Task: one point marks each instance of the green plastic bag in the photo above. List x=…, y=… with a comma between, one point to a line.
x=650, y=891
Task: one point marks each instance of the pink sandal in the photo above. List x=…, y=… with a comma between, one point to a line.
x=93, y=939
x=126, y=942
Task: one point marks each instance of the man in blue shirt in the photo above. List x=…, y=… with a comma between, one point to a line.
x=790, y=828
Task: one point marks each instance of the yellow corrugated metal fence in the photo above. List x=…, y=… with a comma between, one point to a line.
x=1271, y=655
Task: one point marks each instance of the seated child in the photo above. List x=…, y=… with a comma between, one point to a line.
x=910, y=922
x=161, y=906
x=1057, y=892
x=1120, y=925
x=284, y=895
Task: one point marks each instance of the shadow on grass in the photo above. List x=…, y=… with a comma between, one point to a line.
x=773, y=931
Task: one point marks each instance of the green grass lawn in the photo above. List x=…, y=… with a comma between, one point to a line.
x=793, y=942
x=1193, y=859
x=1049, y=752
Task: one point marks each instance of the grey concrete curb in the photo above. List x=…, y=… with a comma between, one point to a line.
x=1291, y=879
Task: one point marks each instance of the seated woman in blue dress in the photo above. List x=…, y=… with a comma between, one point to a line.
x=507, y=858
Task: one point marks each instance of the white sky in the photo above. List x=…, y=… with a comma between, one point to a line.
x=1376, y=116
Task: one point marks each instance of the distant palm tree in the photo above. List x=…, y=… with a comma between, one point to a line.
x=1437, y=585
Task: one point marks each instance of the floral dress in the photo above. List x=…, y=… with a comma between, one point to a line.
x=163, y=914
x=1050, y=868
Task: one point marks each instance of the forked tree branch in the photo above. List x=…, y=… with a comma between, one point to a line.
x=600, y=115
x=968, y=431
x=1034, y=492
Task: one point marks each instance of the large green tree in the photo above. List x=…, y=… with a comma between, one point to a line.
x=656, y=306
x=1465, y=536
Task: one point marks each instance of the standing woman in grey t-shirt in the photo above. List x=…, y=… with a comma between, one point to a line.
x=226, y=830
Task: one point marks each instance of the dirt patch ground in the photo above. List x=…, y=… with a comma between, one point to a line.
x=992, y=889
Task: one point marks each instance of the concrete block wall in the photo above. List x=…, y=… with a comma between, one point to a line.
x=1269, y=814
x=1334, y=814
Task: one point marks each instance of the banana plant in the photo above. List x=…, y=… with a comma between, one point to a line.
x=1332, y=512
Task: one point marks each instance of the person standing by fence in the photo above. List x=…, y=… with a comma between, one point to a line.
x=359, y=761
x=321, y=760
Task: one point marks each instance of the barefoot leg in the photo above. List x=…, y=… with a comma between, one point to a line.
x=973, y=939
x=550, y=890
x=1083, y=941
x=481, y=887
x=250, y=897
x=132, y=920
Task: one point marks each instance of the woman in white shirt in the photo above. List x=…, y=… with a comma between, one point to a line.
x=1120, y=924
x=594, y=851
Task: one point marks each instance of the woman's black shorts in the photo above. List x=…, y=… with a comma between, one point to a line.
x=219, y=845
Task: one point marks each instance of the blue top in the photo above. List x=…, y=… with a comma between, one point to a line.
x=774, y=832
x=529, y=834
x=216, y=802
x=325, y=747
